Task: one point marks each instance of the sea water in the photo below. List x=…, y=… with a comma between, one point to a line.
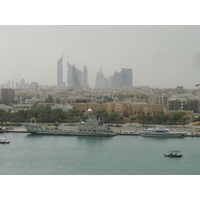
x=86, y=155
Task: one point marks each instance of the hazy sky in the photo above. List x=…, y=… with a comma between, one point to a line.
x=160, y=56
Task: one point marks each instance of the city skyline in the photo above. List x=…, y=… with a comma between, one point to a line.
x=160, y=56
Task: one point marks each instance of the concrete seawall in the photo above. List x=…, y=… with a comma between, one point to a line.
x=125, y=130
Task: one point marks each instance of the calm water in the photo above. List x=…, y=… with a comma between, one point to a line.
x=79, y=155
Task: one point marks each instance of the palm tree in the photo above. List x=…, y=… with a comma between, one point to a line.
x=142, y=119
x=171, y=120
x=184, y=119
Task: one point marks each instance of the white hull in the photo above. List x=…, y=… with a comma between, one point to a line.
x=161, y=132
x=162, y=135
x=73, y=133
x=91, y=127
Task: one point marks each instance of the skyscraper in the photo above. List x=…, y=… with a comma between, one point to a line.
x=119, y=80
x=101, y=81
x=126, y=76
x=84, y=78
x=60, y=82
x=69, y=74
x=22, y=84
x=76, y=79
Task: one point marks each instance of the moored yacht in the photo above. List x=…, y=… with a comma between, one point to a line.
x=161, y=132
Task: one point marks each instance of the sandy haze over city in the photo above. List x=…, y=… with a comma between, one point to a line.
x=160, y=55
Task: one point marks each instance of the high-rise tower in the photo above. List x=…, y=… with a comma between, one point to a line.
x=60, y=72
x=84, y=78
x=69, y=75
x=126, y=75
x=76, y=78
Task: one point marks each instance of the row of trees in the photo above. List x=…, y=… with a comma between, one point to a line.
x=46, y=115
x=161, y=118
x=43, y=115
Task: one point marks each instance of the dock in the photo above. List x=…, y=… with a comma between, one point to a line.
x=118, y=132
x=128, y=133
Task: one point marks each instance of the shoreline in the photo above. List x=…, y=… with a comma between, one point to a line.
x=120, y=133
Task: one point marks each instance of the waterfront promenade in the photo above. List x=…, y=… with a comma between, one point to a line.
x=129, y=130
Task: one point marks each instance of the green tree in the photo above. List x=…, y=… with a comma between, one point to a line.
x=58, y=101
x=4, y=116
x=184, y=120
x=43, y=116
x=157, y=118
x=142, y=119
x=165, y=118
x=114, y=117
x=102, y=114
x=15, y=117
x=178, y=116
x=55, y=115
x=49, y=99
x=171, y=120
x=118, y=120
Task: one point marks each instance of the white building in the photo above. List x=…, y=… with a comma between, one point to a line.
x=64, y=108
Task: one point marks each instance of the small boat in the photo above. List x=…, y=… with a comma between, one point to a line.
x=4, y=141
x=174, y=153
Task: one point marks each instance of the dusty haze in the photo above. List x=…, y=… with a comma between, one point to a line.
x=160, y=56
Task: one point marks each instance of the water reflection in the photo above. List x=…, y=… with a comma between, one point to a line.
x=93, y=139
x=163, y=138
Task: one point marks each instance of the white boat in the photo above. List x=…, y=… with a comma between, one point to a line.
x=92, y=127
x=161, y=132
x=4, y=140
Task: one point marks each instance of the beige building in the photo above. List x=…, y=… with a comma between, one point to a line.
x=130, y=109
x=83, y=107
x=74, y=101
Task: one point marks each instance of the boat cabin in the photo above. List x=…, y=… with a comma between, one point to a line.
x=174, y=153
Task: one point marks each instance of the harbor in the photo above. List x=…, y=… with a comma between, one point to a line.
x=29, y=154
x=191, y=131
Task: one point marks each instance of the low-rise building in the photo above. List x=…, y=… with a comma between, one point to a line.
x=130, y=109
x=74, y=101
x=6, y=108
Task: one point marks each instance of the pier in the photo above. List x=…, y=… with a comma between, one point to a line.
x=125, y=133
x=126, y=130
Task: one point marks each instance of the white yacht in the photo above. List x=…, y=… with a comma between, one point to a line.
x=92, y=127
x=161, y=132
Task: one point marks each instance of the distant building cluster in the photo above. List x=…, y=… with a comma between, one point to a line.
x=20, y=85
x=113, y=94
x=120, y=80
x=77, y=79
